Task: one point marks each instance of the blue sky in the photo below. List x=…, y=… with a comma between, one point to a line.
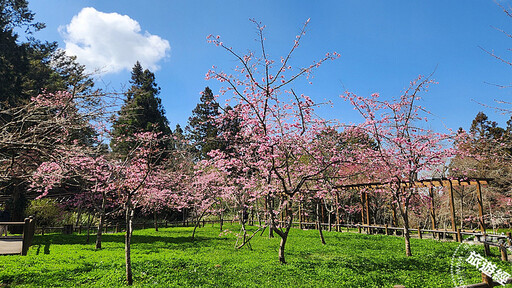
x=383, y=46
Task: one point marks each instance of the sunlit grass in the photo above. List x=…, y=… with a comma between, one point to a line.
x=169, y=258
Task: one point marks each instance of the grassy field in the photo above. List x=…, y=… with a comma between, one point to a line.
x=169, y=258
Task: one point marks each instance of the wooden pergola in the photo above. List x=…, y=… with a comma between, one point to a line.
x=429, y=183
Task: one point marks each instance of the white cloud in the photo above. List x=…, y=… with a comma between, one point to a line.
x=111, y=42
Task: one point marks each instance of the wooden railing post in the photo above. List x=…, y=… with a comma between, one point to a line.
x=419, y=233
x=487, y=280
x=386, y=229
x=503, y=250
x=459, y=235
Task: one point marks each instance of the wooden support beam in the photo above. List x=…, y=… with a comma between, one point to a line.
x=452, y=207
x=481, y=219
x=432, y=209
x=480, y=208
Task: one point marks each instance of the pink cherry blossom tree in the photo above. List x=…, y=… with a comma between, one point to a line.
x=404, y=147
x=277, y=156
x=138, y=180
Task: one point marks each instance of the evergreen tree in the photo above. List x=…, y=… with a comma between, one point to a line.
x=484, y=128
x=202, y=129
x=141, y=112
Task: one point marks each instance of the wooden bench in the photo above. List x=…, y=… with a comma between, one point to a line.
x=18, y=245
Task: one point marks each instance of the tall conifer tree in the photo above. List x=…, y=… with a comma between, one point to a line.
x=203, y=131
x=141, y=112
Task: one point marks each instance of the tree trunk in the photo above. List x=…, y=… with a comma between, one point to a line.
x=270, y=216
x=284, y=237
x=127, y=245
x=282, y=244
x=404, y=212
x=221, y=221
x=284, y=234
x=102, y=218
x=329, y=220
x=184, y=217
x=100, y=230
x=319, y=223
x=78, y=217
x=155, y=216
x=407, y=236
x=89, y=223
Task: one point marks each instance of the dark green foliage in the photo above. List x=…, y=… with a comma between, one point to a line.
x=169, y=258
x=47, y=212
x=203, y=131
x=15, y=14
x=141, y=112
x=28, y=68
x=230, y=129
x=482, y=127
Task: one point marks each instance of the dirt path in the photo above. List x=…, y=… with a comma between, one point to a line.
x=10, y=246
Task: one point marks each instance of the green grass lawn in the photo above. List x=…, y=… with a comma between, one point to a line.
x=169, y=258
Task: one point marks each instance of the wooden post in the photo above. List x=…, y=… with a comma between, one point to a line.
x=117, y=227
x=503, y=250
x=452, y=207
x=459, y=235
x=359, y=228
x=480, y=208
x=386, y=229
x=432, y=210
x=487, y=280
x=419, y=233
x=481, y=219
x=26, y=236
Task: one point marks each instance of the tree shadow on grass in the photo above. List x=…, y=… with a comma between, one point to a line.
x=159, y=241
